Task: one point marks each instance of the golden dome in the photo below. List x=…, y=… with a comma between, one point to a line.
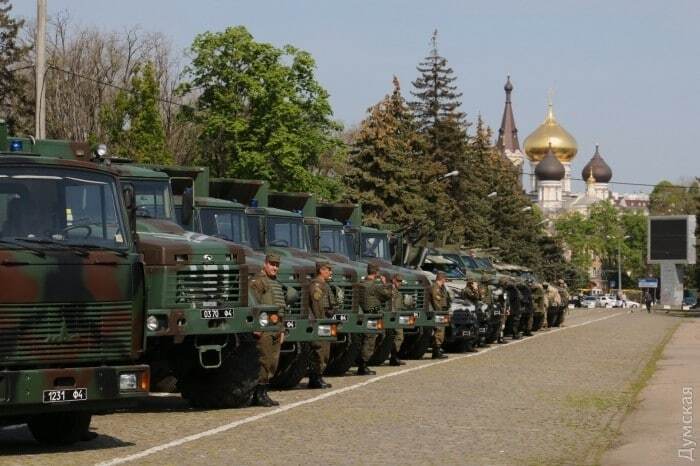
x=563, y=144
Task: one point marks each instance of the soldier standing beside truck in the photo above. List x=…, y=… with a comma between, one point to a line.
x=375, y=293
x=440, y=300
x=267, y=290
x=323, y=305
x=396, y=305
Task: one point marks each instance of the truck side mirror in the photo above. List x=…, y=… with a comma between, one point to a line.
x=187, y=206
x=130, y=203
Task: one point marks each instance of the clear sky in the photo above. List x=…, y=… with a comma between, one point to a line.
x=625, y=73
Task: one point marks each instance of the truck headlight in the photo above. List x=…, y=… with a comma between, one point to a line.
x=442, y=319
x=263, y=319
x=404, y=320
x=152, y=323
x=374, y=324
x=326, y=331
x=128, y=381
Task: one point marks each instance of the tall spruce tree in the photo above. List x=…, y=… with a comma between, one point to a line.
x=384, y=173
x=12, y=83
x=444, y=129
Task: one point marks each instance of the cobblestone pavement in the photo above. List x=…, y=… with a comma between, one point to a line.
x=549, y=399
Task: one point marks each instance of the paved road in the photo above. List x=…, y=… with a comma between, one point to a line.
x=549, y=399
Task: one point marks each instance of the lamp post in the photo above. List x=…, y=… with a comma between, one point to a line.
x=443, y=177
x=619, y=262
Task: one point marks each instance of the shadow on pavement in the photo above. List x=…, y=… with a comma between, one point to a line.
x=17, y=440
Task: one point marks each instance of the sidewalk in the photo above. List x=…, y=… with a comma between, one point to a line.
x=662, y=430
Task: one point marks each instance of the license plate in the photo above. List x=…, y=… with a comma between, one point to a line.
x=65, y=395
x=482, y=330
x=341, y=317
x=217, y=313
x=290, y=324
x=497, y=313
x=466, y=333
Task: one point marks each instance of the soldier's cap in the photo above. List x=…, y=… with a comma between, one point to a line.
x=372, y=268
x=440, y=275
x=397, y=276
x=561, y=281
x=273, y=258
x=322, y=264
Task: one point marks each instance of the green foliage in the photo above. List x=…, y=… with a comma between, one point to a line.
x=670, y=199
x=384, y=173
x=133, y=123
x=263, y=114
x=12, y=53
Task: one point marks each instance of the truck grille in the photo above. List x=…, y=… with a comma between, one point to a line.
x=94, y=332
x=198, y=284
x=347, y=298
x=418, y=295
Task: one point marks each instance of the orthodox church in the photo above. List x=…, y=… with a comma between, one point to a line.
x=550, y=150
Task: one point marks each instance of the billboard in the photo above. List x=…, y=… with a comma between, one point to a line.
x=671, y=239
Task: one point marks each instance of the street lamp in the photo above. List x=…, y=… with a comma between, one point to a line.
x=619, y=263
x=492, y=194
x=526, y=209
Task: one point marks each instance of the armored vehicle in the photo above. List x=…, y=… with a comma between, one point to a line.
x=72, y=295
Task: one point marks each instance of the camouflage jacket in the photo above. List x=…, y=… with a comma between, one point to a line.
x=322, y=301
x=374, y=294
x=267, y=290
x=439, y=298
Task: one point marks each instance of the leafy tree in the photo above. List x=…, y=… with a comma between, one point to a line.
x=12, y=54
x=133, y=123
x=262, y=112
x=671, y=199
x=384, y=172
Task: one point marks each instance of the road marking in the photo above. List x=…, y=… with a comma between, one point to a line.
x=332, y=393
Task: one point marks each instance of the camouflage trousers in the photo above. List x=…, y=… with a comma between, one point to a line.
x=269, y=355
x=318, y=359
x=367, y=344
x=438, y=336
x=398, y=339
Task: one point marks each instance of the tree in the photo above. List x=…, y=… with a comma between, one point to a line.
x=384, y=174
x=672, y=199
x=12, y=55
x=261, y=111
x=133, y=123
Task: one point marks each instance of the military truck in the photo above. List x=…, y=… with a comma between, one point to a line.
x=327, y=240
x=370, y=245
x=227, y=220
x=72, y=295
x=198, y=324
x=282, y=231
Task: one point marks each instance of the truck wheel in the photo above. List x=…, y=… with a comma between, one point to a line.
x=292, y=367
x=382, y=349
x=60, y=428
x=459, y=345
x=229, y=386
x=343, y=355
x=415, y=346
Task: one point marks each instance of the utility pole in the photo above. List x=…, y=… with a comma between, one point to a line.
x=40, y=68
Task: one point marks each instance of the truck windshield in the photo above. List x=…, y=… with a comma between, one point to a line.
x=60, y=205
x=484, y=263
x=469, y=262
x=153, y=199
x=333, y=240
x=375, y=245
x=225, y=223
x=286, y=232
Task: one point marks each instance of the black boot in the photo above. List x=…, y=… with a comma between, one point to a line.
x=266, y=398
x=362, y=369
x=438, y=354
x=259, y=397
x=394, y=359
x=316, y=381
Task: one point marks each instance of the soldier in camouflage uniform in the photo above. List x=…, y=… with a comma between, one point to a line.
x=323, y=304
x=471, y=292
x=553, y=304
x=505, y=309
x=375, y=293
x=396, y=305
x=564, y=293
x=539, y=303
x=440, y=300
x=265, y=288
x=526, y=308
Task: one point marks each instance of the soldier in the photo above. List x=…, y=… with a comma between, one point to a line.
x=526, y=307
x=440, y=300
x=375, y=293
x=514, y=300
x=538, y=301
x=323, y=305
x=471, y=292
x=396, y=305
x=265, y=288
x=504, y=303
x=553, y=305
x=564, y=292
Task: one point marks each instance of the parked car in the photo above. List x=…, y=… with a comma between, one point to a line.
x=626, y=303
x=607, y=301
x=589, y=302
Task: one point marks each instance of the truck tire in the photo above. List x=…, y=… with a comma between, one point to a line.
x=292, y=367
x=60, y=428
x=415, y=346
x=343, y=355
x=459, y=345
x=382, y=349
x=229, y=386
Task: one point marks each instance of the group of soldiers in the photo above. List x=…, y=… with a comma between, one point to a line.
x=545, y=301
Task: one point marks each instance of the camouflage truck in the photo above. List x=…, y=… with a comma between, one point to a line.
x=197, y=323
x=329, y=241
x=370, y=245
x=72, y=299
x=227, y=220
x=282, y=231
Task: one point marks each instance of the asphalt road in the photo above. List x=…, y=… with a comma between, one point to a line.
x=555, y=398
